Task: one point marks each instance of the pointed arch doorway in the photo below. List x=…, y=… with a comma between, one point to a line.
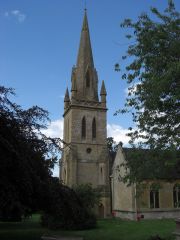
x=101, y=210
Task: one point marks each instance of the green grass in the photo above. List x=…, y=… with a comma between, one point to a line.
x=111, y=229
x=27, y=230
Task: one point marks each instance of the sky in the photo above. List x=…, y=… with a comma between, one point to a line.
x=39, y=44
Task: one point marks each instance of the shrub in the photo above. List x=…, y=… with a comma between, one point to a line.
x=89, y=196
x=63, y=209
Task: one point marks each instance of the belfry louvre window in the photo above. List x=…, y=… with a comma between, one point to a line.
x=94, y=128
x=154, y=198
x=176, y=196
x=87, y=79
x=83, y=128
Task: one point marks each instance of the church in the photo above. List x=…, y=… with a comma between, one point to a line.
x=85, y=157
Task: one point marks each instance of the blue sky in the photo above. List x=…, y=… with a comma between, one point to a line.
x=39, y=44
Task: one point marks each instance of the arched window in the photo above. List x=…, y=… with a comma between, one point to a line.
x=87, y=79
x=94, y=128
x=101, y=174
x=83, y=130
x=176, y=196
x=154, y=197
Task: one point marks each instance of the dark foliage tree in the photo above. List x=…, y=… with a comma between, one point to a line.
x=65, y=209
x=89, y=196
x=26, y=160
x=111, y=144
x=24, y=163
x=154, y=85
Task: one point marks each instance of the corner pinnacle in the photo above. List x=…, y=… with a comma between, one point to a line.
x=66, y=98
x=103, y=89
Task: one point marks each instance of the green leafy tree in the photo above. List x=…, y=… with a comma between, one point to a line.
x=153, y=75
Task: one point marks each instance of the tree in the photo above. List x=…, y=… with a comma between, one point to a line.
x=24, y=163
x=64, y=208
x=112, y=145
x=89, y=197
x=153, y=76
x=27, y=158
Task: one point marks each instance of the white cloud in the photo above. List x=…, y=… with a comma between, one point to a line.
x=55, y=129
x=20, y=16
x=118, y=133
x=16, y=14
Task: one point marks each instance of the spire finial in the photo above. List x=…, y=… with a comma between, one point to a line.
x=85, y=8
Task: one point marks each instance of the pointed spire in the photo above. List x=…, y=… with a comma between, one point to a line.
x=103, y=89
x=86, y=80
x=85, y=52
x=66, y=98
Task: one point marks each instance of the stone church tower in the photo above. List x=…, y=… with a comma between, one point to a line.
x=85, y=155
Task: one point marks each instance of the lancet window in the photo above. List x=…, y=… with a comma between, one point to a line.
x=83, y=130
x=94, y=128
x=87, y=79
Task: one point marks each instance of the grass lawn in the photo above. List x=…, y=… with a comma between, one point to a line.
x=111, y=229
